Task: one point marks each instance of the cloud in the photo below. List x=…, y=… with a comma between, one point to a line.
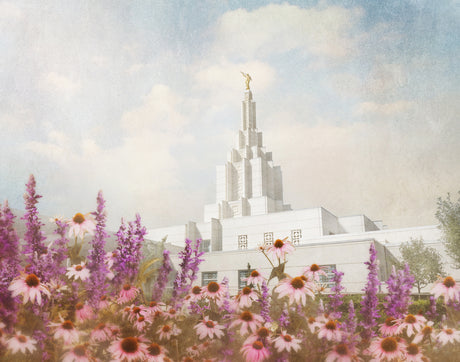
x=278, y=29
x=9, y=11
x=383, y=109
x=58, y=83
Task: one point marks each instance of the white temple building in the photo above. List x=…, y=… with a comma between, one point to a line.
x=250, y=211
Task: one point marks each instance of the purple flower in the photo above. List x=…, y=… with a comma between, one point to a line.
x=9, y=265
x=34, y=247
x=162, y=279
x=264, y=302
x=189, y=268
x=369, y=310
x=350, y=324
x=128, y=257
x=399, y=286
x=335, y=299
x=432, y=312
x=284, y=319
x=96, y=285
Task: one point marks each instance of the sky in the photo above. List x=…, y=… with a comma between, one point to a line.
x=357, y=100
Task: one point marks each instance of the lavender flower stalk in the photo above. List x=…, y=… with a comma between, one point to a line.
x=432, y=312
x=34, y=247
x=350, y=324
x=399, y=288
x=370, y=302
x=9, y=266
x=336, y=298
x=162, y=280
x=189, y=268
x=264, y=301
x=96, y=286
x=284, y=319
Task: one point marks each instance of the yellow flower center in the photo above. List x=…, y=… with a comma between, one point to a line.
x=79, y=218
x=449, y=282
x=278, y=243
x=297, y=283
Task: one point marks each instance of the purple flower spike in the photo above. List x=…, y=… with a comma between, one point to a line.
x=96, y=286
x=370, y=300
x=265, y=303
x=162, y=280
x=399, y=288
x=34, y=247
x=335, y=299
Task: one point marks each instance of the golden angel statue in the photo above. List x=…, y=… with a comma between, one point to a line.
x=248, y=79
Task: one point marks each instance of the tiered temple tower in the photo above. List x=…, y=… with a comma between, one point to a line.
x=248, y=183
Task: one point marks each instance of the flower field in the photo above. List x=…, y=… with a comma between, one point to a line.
x=58, y=305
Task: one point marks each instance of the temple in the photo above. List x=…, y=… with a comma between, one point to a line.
x=250, y=211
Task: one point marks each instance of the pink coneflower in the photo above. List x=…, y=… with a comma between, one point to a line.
x=171, y=313
x=29, y=287
x=315, y=323
x=101, y=333
x=80, y=225
x=414, y=353
x=390, y=327
x=128, y=349
x=155, y=307
x=21, y=343
x=425, y=334
x=255, y=352
x=313, y=272
x=341, y=353
x=137, y=311
x=140, y=323
x=215, y=291
x=127, y=294
x=448, y=335
x=386, y=348
x=57, y=286
x=412, y=324
x=195, y=294
x=83, y=312
x=109, y=258
x=296, y=289
x=448, y=288
x=79, y=271
x=246, y=297
x=167, y=330
x=193, y=351
x=255, y=278
x=286, y=342
x=330, y=331
x=247, y=321
x=156, y=353
x=103, y=302
x=280, y=248
x=208, y=328
x=262, y=334
x=66, y=330
x=78, y=353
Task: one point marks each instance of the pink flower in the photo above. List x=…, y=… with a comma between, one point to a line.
x=313, y=272
x=255, y=352
x=21, y=343
x=255, y=278
x=156, y=353
x=155, y=307
x=215, y=291
x=246, y=297
x=247, y=321
x=103, y=303
x=280, y=249
x=386, y=348
x=29, y=287
x=414, y=353
x=425, y=334
x=286, y=342
x=140, y=323
x=83, y=312
x=195, y=294
x=209, y=328
x=66, y=330
x=101, y=333
x=315, y=323
x=78, y=272
x=296, y=289
x=80, y=225
x=448, y=335
x=341, y=353
x=138, y=311
x=448, y=288
x=330, y=331
x=390, y=327
x=412, y=324
x=262, y=334
x=78, y=353
x=128, y=349
x=167, y=330
x=127, y=294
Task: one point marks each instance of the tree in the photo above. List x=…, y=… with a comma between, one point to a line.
x=448, y=215
x=424, y=262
